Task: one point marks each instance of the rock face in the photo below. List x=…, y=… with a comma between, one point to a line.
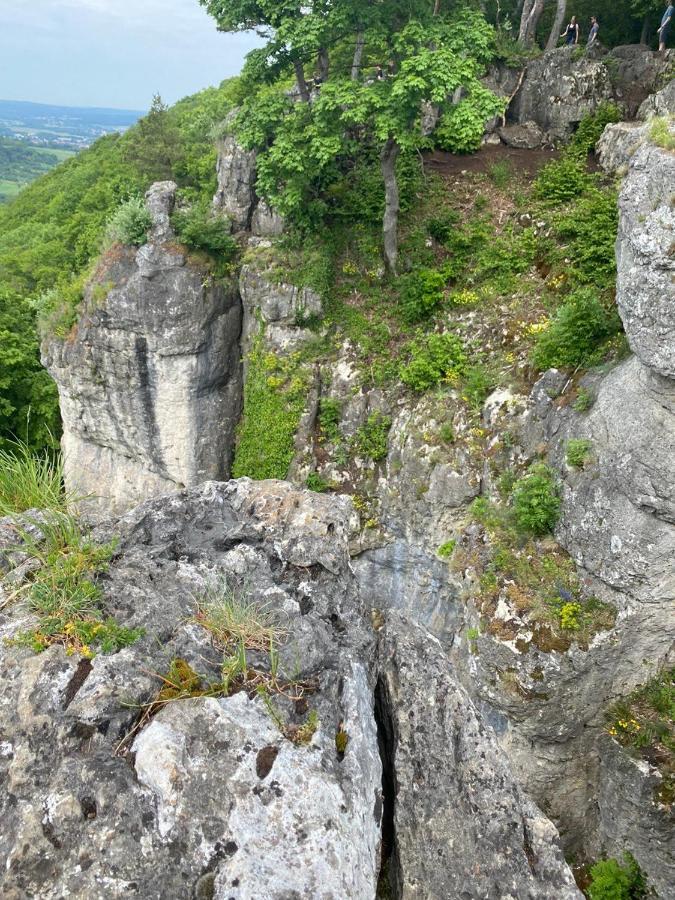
x=618, y=144
x=150, y=379
x=559, y=89
x=209, y=798
x=646, y=267
x=448, y=788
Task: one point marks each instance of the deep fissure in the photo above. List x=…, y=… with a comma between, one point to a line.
x=388, y=880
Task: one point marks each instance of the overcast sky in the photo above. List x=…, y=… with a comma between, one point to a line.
x=112, y=52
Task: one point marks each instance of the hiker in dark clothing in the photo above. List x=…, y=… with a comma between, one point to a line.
x=666, y=22
x=571, y=33
x=593, y=33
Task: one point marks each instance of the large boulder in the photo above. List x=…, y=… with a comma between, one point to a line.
x=618, y=144
x=212, y=796
x=662, y=103
x=645, y=261
x=149, y=379
x=236, y=172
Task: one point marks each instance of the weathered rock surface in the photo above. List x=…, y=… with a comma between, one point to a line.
x=449, y=794
x=662, y=103
x=559, y=89
x=150, y=378
x=209, y=798
x=527, y=136
x=618, y=144
x=645, y=261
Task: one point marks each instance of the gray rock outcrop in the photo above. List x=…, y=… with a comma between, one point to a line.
x=662, y=103
x=645, y=262
x=210, y=797
x=618, y=144
x=149, y=379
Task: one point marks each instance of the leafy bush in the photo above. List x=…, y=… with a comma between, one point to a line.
x=576, y=333
x=590, y=228
x=315, y=482
x=584, y=401
x=330, y=411
x=461, y=128
x=371, y=439
x=578, y=452
x=591, y=127
x=477, y=384
x=536, y=500
x=613, y=881
x=30, y=480
x=130, y=223
x=434, y=358
x=421, y=293
x=561, y=180
x=197, y=227
x=442, y=227
x=660, y=132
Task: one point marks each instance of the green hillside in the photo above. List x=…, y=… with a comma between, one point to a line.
x=21, y=163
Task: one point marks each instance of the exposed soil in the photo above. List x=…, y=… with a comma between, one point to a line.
x=522, y=161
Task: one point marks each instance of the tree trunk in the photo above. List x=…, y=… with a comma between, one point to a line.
x=437, y=7
x=554, y=36
x=358, y=56
x=527, y=7
x=300, y=78
x=323, y=63
x=644, y=37
x=388, y=159
x=528, y=24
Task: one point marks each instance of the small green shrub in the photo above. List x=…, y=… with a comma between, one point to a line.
x=421, y=293
x=30, y=480
x=569, y=616
x=591, y=127
x=501, y=174
x=330, y=411
x=446, y=550
x=197, y=227
x=613, y=881
x=578, y=452
x=442, y=227
x=130, y=223
x=561, y=180
x=371, y=439
x=584, y=401
x=576, y=333
x=316, y=483
x=447, y=433
x=660, y=132
x=589, y=230
x=477, y=384
x=461, y=128
x=433, y=359
x=536, y=500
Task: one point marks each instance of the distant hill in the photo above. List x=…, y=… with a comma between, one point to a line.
x=21, y=163
x=70, y=127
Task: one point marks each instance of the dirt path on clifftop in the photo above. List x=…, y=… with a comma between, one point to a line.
x=521, y=161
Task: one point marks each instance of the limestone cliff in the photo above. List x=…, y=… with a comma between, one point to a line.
x=150, y=378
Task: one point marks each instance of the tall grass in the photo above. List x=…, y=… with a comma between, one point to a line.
x=30, y=480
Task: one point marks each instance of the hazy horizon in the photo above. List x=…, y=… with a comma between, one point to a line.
x=113, y=54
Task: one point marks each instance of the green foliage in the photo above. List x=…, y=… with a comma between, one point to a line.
x=274, y=399
x=561, y=180
x=58, y=308
x=644, y=722
x=130, y=223
x=371, y=439
x=63, y=593
x=447, y=433
x=477, y=384
x=197, y=227
x=612, y=880
x=591, y=127
x=569, y=616
x=433, y=359
x=578, y=452
x=28, y=398
x=661, y=133
x=536, y=500
x=461, y=128
x=576, y=333
x=316, y=483
x=584, y=401
x=154, y=146
x=30, y=480
x=232, y=619
x=446, y=550
x=330, y=411
x=589, y=230
x=21, y=163
x=501, y=174
x=421, y=293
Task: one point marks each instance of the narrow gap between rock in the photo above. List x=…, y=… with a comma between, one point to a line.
x=388, y=881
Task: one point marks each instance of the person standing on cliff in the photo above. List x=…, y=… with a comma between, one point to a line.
x=664, y=29
x=571, y=33
x=593, y=33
